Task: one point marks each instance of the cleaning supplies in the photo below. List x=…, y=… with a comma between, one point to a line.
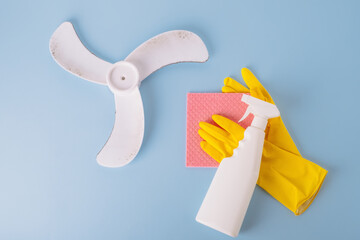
x=289, y=178
x=226, y=202
x=278, y=133
x=219, y=142
x=284, y=174
x=200, y=107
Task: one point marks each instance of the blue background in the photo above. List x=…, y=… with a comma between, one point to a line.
x=52, y=124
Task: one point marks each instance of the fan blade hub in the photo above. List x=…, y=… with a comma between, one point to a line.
x=123, y=78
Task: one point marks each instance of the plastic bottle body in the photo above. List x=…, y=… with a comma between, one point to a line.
x=228, y=197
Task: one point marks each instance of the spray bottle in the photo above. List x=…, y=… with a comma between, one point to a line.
x=228, y=197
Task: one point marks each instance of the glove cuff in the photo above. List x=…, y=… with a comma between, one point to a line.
x=292, y=180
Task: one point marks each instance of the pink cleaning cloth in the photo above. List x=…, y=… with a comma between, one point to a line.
x=200, y=108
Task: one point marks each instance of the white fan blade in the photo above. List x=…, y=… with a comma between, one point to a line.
x=126, y=137
x=69, y=52
x=168, y=48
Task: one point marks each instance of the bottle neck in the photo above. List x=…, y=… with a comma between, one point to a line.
x=259, y=122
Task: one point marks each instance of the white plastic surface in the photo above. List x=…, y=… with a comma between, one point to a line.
x=168, y=48
x=69, y=52
x=225, y=204
x=262, y=111
x=126, y=137
x=123, y=78
x=228, y=197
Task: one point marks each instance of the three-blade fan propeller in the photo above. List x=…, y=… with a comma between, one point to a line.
x=124, y=78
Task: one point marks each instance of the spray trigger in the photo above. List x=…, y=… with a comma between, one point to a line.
x=246, y=114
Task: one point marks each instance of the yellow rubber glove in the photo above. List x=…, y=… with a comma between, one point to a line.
x=284, y=174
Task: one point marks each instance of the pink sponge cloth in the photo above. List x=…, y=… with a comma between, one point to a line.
x=200, y=107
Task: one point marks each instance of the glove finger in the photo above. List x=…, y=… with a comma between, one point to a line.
x=220, y=146
x=219, y=134
x=231, y=127
x=239, y=88
x=250, y=79
x=257, y=90
x=211, y=151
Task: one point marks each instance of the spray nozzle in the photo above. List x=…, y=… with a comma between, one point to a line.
x=246, y=114
x=262, y=111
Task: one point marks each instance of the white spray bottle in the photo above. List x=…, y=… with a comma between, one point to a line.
x=228, y=197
